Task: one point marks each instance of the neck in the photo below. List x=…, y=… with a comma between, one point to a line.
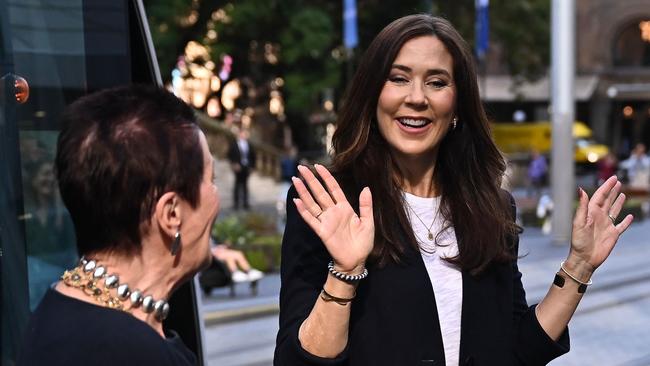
x=417, y=174
x=148, y=272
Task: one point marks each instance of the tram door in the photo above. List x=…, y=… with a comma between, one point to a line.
x=51, y=53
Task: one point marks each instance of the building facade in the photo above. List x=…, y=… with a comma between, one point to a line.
x=612, y=88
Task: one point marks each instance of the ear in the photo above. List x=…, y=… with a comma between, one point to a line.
x=168, y=213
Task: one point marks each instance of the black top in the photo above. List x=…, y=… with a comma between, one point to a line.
x=394, y=320
x=68, y=331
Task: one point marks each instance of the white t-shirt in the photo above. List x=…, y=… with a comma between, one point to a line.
x=446, y=279
x=243, y=151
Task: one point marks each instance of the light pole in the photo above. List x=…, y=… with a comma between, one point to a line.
x=563, y=106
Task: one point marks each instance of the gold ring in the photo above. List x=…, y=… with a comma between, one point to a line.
x=612, y=218
x=320, y=213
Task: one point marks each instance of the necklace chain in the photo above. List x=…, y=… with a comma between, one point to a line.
x=430, y=234
x=77, y=278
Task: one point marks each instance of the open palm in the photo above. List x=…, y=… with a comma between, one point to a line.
x=347, y=236
x=594, y=231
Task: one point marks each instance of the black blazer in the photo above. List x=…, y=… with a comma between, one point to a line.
x=394, y=319
x=234, y=155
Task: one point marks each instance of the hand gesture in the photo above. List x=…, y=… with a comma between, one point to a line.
x=349, y=238
x=595, y=231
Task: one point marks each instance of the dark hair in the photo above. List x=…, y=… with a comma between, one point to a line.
x=469, y=166
x=119, y=150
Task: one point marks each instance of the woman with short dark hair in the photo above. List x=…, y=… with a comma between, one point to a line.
x=136, y=175
x=407, y=255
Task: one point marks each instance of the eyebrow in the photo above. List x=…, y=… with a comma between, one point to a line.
x=429, y=71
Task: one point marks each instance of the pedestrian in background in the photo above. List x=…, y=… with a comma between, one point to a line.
x=638, y=168
x=239, y=267
x=136, y=175
x=407, y=254
x=537, y=173
x=607, y=166
x=242, y=159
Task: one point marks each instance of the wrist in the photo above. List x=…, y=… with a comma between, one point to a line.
x=346, y=277
x=352, y=271
x=579, y=268
x=339, y=288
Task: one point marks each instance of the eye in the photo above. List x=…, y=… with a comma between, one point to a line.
x=397, y=79
x=437, y=84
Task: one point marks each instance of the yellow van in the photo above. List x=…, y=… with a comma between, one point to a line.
x=513, y=138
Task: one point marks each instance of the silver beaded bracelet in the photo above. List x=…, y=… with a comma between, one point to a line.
x=346, y=277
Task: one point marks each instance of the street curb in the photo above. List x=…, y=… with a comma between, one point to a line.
x=249, y=312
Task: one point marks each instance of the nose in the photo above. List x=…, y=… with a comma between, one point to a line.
x=415, y=96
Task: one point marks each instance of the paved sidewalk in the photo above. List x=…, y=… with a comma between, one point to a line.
x=611, y=325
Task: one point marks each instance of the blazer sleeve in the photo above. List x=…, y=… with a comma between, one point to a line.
x=532, y=345
x=303, y=273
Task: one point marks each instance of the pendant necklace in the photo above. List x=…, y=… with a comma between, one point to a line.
x=429, y=233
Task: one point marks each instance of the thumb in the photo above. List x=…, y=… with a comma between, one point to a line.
x=581, y=212
x=365, y=205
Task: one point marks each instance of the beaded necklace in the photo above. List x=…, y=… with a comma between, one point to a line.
x=94, y=281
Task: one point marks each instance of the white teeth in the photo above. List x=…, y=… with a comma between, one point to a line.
x=413, y=122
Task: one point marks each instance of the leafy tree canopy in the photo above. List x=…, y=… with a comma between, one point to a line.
x=300, y=41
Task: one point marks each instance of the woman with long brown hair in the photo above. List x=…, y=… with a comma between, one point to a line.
x=407, y=255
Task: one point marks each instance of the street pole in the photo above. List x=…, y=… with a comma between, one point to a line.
x=563, y=105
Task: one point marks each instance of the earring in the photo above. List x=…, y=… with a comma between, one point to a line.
x=454, y=122
x=176, y=244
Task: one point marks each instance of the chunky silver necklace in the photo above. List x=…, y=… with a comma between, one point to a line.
x=94, y=281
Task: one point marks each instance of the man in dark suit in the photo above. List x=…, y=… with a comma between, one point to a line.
x=242, y=159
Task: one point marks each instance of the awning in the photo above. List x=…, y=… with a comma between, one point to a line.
x=501, y=89
x=629, y=91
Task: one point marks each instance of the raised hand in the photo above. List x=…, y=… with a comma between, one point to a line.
x=347, y=236
x=595, y=231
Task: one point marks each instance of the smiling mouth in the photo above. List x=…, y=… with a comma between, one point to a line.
x=413, y=122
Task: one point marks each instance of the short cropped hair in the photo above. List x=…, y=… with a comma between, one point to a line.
x=118, y=151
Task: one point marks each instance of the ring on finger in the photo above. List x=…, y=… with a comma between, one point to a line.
x=320, y=213
x=610, y=217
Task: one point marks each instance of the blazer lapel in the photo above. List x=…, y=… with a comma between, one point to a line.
x=482, y=323
x=436, y=351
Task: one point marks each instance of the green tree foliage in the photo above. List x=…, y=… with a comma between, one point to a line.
x=521, y=28
x=173, y=23
x=301, y=40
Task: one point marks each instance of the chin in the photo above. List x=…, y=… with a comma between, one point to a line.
x=411, y=151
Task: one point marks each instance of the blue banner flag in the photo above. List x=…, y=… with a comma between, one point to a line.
x=350, y=36
x=482, y=27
